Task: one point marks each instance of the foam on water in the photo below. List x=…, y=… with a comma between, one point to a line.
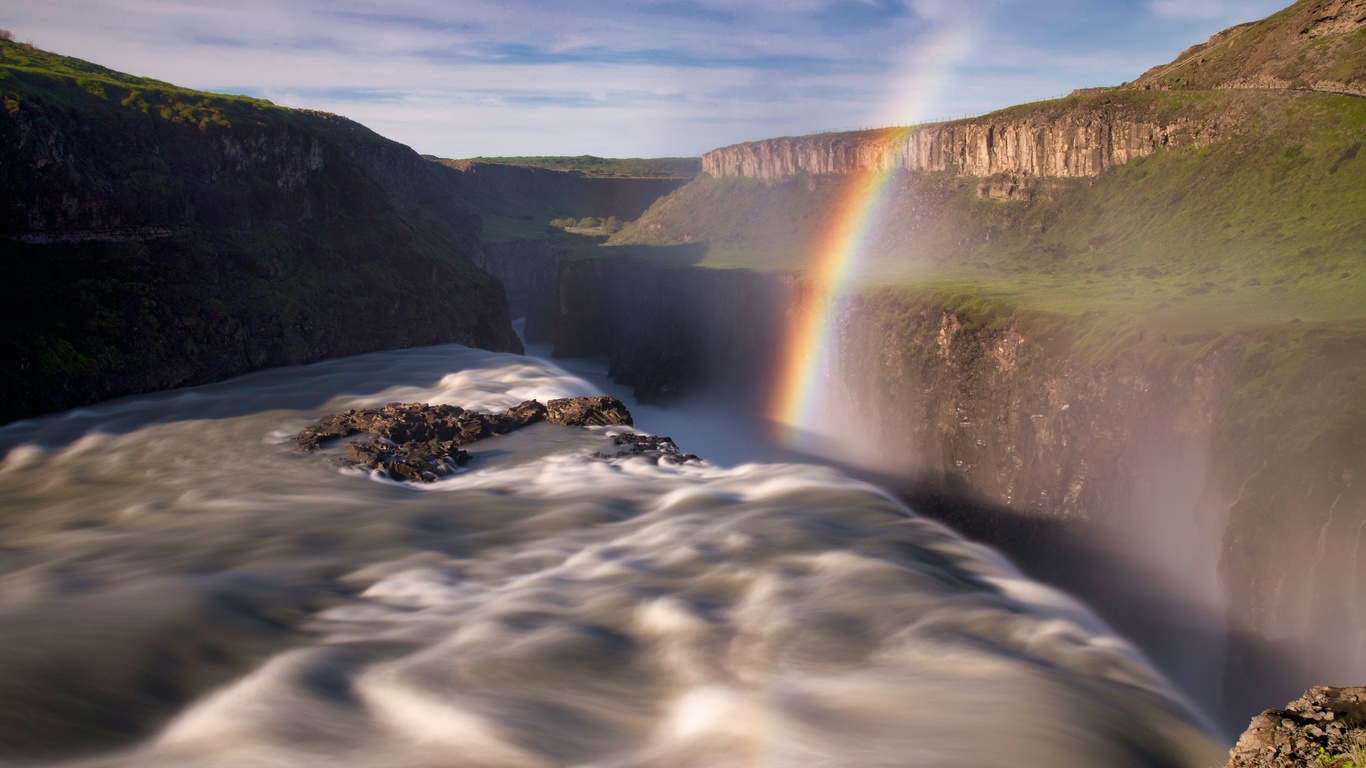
x=543, y=608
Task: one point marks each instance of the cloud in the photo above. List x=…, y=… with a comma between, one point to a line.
x=412, y=22
x=1189, y=9
x=509, y=77
x=849, y=17
x=688, y=9
x=522, y=54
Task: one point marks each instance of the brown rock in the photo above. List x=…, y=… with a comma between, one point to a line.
x=1281, y=738
x=587, y=412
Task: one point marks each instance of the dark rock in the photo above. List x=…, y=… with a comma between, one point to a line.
x=587, y=412
x=660, y=450
x=419, y=442
x=1280, y=738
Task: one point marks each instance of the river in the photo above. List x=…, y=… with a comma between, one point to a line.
x=180, y=587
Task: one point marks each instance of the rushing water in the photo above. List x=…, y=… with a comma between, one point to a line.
x=178, y=586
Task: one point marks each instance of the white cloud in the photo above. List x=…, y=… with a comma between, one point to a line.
x=539, y=77
x=1189, y=9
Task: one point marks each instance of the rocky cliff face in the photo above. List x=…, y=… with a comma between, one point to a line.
x=1315, y=45
x=1075, y=140
x=155, y=237
x=530, y=273
x=1142, y=453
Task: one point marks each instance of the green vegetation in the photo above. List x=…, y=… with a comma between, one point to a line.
x=520, y=202
x=609, y=167
x=1265, y=226
x=589, y=225
x=28, y=73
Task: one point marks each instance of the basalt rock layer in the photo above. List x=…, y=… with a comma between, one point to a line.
x=1078, y=137
x=1077, y=140
x=154, y=237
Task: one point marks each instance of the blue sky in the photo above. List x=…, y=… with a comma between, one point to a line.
x=628, y=79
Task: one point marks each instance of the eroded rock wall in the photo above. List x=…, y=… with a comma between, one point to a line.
x=142, y=251
x=1077, y=143
x=1250, y=542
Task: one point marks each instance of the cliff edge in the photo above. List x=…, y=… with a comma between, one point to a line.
x=1312, y=46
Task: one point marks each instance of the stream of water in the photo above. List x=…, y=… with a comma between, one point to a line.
x=180, y=587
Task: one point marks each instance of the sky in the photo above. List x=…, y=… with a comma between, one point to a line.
x=467, y=78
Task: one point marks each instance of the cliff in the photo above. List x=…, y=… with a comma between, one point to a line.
x=155, y=237
x=1131, y=317
x=1181, y=467
x=1078, y=137
x=1314, y=45
x=1078, y=141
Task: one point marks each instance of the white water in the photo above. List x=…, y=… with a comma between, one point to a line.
x=538, y=609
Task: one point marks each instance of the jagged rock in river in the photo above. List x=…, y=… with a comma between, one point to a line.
x=419, y=442
x=660, y=450
x=1324, y=727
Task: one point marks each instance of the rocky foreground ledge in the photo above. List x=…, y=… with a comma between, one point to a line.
x=1324, y=727
x=420, y=442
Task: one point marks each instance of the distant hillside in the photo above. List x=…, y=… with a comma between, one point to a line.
x=1317, y=45
x=629, y=167
x=518, y=202
x=153, y=236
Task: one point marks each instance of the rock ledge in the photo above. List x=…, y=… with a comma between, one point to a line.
x=419, y=442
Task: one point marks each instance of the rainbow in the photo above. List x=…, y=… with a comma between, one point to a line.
x=833, y=264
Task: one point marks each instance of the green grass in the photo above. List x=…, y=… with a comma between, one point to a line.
x=628, y=167
x=1263, y=227
x=65, y=82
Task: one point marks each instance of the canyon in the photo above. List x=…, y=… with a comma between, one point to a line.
x=1118, y=335
x=1128, y=319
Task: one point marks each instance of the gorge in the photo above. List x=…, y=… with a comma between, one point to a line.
x=1118, y=336
x=1109, y=314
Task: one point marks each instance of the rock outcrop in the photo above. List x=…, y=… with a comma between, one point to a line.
x=1314, y=45
x=1325, y=727
x=420, y=442
x=1077, y=142
x=659, y=450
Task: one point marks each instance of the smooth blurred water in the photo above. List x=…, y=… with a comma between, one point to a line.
x=172, y=568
